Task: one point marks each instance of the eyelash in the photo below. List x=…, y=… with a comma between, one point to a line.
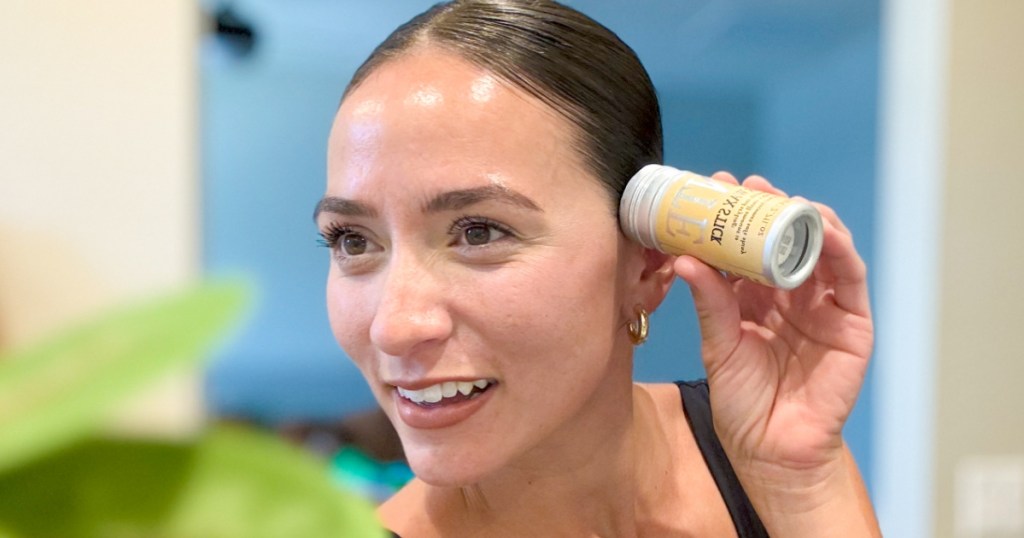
x=462, y=224
x=332, y=233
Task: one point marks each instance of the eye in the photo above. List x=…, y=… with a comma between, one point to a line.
x=353, y=244
x=478, y=231
x=481, y=234
x=346, y=242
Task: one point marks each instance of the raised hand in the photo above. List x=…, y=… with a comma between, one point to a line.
x=785, y=368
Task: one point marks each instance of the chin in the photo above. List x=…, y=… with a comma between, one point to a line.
x=448, y=466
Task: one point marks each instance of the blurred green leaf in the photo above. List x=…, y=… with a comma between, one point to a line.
x=233, y=483
x=62, y=389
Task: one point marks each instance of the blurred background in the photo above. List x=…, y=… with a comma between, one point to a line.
x=150, y=144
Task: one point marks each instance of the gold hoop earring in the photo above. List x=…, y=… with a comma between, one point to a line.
x=639, y=328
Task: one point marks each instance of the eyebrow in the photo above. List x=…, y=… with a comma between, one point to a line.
x=458, y=199
x=342, y=206
x=446, y=201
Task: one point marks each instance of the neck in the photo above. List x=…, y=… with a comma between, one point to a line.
x=605, y=470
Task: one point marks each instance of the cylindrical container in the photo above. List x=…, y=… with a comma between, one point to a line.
x=766, y=238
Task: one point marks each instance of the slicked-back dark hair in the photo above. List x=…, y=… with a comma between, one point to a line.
x=558, y=55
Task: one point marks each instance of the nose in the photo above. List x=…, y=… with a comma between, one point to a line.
x=411, y=311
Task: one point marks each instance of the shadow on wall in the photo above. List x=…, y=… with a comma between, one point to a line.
x=44, y=284
x=47, y=283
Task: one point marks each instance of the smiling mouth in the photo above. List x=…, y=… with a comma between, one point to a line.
x=446, y=393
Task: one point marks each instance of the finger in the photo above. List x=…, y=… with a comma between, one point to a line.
x=717, y=309
x=732, y=278
x=849, y=272
x=759, y=183
x=725, y=177
x=830, y=215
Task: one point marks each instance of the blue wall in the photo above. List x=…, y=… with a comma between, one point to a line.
x=789, y=93
x=265, y=124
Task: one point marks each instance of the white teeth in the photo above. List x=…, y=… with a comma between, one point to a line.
x=448, y=389
x=432, y=394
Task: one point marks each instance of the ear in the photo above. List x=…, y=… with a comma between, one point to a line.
x=656, y=278
x=651, y=277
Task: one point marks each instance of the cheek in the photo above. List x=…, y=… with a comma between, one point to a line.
x=552, y=306
x=348, y=316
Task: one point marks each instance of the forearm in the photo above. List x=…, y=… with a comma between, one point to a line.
x=837, y=504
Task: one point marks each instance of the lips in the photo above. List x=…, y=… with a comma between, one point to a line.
x=442, y=404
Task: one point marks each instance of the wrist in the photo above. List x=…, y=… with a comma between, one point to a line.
x=825, y=501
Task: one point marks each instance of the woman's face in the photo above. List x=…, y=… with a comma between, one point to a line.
x=478, y=278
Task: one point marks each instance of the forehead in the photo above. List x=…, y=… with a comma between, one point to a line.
x=431, y=112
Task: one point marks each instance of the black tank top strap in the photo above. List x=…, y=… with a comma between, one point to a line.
x=697, y=408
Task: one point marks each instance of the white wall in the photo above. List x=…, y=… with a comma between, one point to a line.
x=948, y=411
x=979, y=434
x=98, y=182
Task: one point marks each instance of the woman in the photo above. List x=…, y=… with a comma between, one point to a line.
x=480, y=282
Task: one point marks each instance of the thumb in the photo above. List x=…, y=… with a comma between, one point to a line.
x=718, y=310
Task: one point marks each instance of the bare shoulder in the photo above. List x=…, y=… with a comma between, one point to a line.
x=665, y=395
x=405, y=512
x=666, y=403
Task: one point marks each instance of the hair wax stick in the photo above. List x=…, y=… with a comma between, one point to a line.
x=769, y=239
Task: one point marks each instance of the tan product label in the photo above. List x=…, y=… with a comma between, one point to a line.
x=722, y=224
